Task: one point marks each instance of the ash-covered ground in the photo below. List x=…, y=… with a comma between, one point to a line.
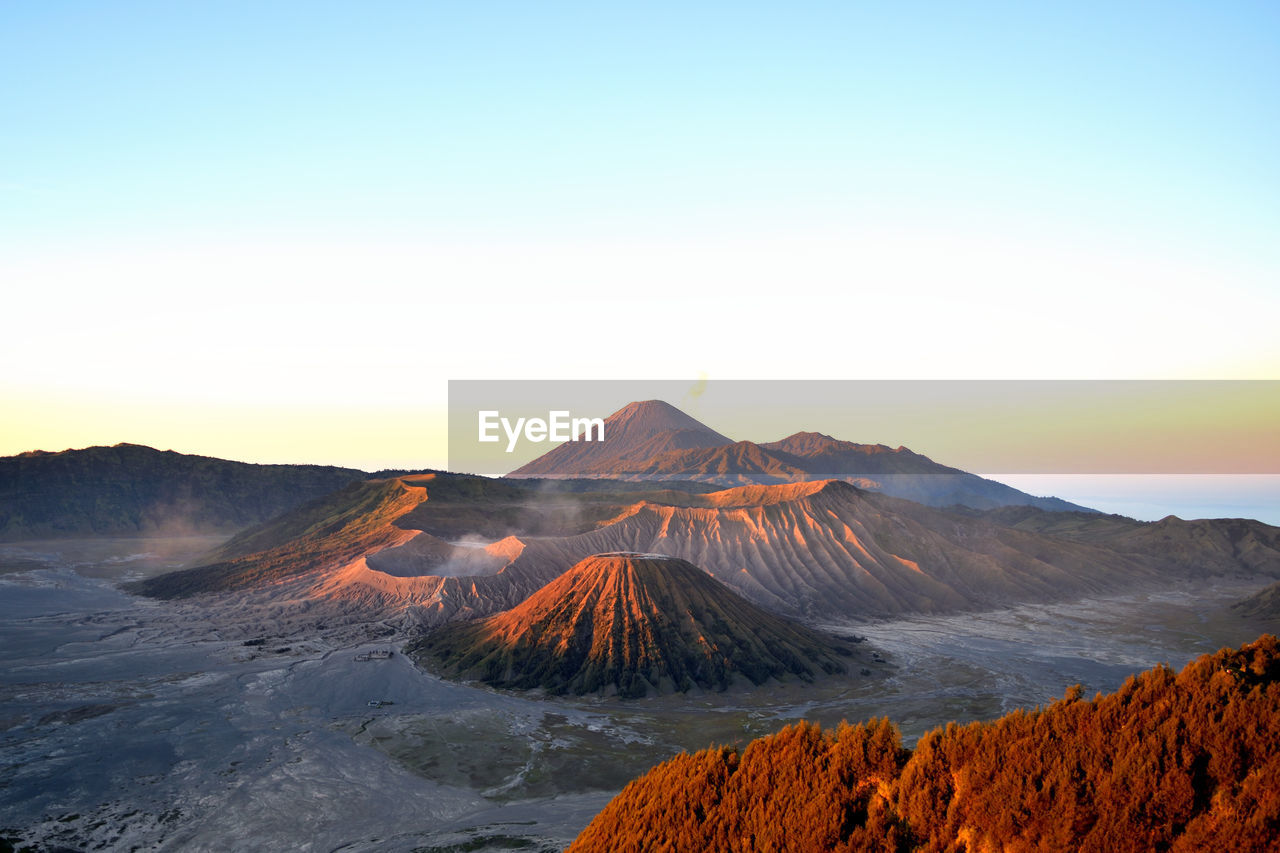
x=127, y=724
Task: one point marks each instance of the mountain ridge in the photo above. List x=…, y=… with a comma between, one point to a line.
x=668, y=454
x=818, y=550
x=131, y=489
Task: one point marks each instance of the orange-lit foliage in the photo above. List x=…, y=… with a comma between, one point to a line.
x=1169, y=762
x=801, y=789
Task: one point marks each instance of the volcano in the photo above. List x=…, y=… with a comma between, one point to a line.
x=632, y=623
x=635, y=433
x=654, y=441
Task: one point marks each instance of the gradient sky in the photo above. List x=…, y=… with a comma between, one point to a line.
x=273, y=231
x=1029, y=427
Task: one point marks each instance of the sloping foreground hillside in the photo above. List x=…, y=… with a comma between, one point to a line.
x=1168, y=762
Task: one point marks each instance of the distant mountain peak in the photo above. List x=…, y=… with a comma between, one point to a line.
x=638, y=430
x=807, y=435
x=649, y=417
x=649, y=406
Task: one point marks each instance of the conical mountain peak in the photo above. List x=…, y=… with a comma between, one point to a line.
x=632, y=623
x=638, y=430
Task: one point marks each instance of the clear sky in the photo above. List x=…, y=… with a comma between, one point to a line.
x=273, y=231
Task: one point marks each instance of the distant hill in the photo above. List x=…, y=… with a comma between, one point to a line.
x=1263, y=604
x=654, y=441
x=130, y=490
x=1186, y=762
x=631, y=624
x=1188, y=547
x=902, y=473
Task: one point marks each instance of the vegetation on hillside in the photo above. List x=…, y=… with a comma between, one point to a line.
x=1171, y=762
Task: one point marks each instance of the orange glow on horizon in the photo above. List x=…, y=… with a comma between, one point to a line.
x=345, y=435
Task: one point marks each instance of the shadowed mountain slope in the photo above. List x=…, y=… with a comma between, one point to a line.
x=1263, y=604
x=631, y=623
x=1195, y=547
x=130, y=490
x=1186, y=762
